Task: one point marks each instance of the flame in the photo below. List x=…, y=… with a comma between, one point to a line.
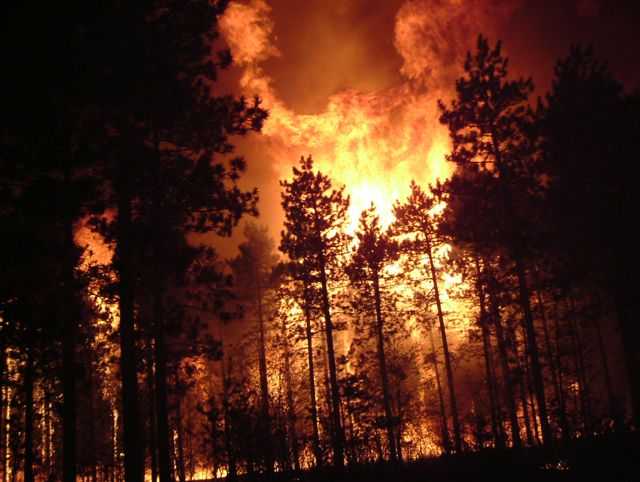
x=374, y=143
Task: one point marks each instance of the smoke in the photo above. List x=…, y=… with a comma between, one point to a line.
x=433, y=36
x=355, y=84
x=248, y=29
x=374, y=142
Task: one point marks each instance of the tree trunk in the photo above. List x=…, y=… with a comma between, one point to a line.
x=538, y=382
x=517, y=251
x=48, y=432
x=338, y=433
x=327, y=384
x=180, y=464
x=613, y=406
x=445, y=351
x=132, y=439
x=91, y=392
x=28, y=416
x=264, y=383
x=444, y=426
x=384, y=377
x=522, y=385
x=70, y=322
x=563, y=407
x=352, y=452
x=232, y=471
x=399, y=425
x=162, y=409
x=530, y=398
x=583, y=385
x=504, y=364
x=3, y=415
x=153, y=436
x=312, y=379
x=489, y=371
x=291, y=414
x=553, y=368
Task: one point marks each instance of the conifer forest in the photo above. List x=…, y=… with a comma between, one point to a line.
x=347, y=240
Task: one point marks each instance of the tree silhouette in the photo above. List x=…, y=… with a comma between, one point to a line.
x=488, y=124
x=251, y=271
x=587, y=123
x=418, y=218
x=164, y=116
x=315, y=216
x=374, y=252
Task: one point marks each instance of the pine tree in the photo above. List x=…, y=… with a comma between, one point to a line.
x=489, y=123
x=418, y=218
x=587, y=125
x=315, y=216
x=375, y=251
x=251, y=271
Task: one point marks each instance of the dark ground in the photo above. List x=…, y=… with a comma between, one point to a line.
x=606, y=458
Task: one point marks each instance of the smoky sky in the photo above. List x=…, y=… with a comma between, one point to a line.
x=325, y=47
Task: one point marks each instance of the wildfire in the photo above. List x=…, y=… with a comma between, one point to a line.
x=374, y=143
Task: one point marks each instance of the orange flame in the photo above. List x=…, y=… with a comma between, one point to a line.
x=374, y=143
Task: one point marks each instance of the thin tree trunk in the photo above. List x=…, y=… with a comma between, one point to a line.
x=583, y=386
x=162, y=409
x=132, y=440
x=506, y=371
x=531, y=399
x=153, y=436
x=47, y=429
x=28, y=417
x=180, y=464
x=563, y=406
x=352, y=453
x=327, y=384
x=399, y=425
x=384, y=377
x=70, y=321
x=232, y=470
x=445, y=352
x=613, y=406
x=522, y=386
x=446, y=442
x=538, y=382
x=312, y=380
x=3, y=413
x=517, y=248
x=92, y=427
x=264, y=383
x=291, y=414
x=489, y=371
x=338, y=433
x=553, y=367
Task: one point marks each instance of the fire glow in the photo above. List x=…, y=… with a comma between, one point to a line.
x=374, y=143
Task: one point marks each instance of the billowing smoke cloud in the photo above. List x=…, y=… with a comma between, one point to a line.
x=373, y=142
x=434, y=35
x=375, y=137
